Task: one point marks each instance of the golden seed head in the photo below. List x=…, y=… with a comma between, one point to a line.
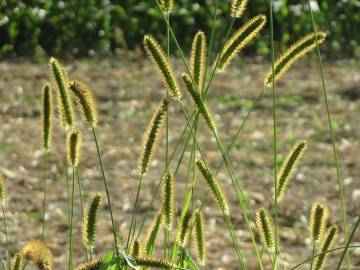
x=152, y=234
x=292, y=54
x=154, y=262
x=238, y=7
x=167, y=5
x=200, y=237
x=86, y=100
x=318, y=220
x=264, y=225
x=198, y=59
x=89, y=224
x=136, y=250
x=74, y=148
x=17, y=263
x=168, y=199
x=93, y=265
x=37, y=252
x=326, y=245
x=46, y=117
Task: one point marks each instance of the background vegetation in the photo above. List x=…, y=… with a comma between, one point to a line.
x=94, y=27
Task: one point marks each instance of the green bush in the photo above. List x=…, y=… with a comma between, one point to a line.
x=85, y=28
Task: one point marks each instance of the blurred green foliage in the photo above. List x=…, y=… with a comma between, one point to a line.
x=99, y=27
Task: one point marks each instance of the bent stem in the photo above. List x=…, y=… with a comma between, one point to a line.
x=6, y=236
x=333, y=140
x=313, y=254
x=46, y=154
x=106, y=190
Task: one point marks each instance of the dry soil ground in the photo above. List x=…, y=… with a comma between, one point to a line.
x=126, y=96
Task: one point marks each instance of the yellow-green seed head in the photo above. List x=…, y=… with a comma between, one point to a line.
x=152, y=234
x=214, y=187
x=168, y=199
x=288, y=167
x=292, y=54
x=238, y=41
x=136, y=250
x=46, y=117
x=93, y=265
x=89, y=224
x=167, y=5
x=184, y=228
x=64, y=101
x=85, y=98
x=151, y=136
x=154, y=262
x=318, y=221
x=198, y=101
x=238, y=7
x=2, y=189
x=264, y=225
x=74, y=148
x=17, y=263
x=325, y=246
x=200, y=237
x=161, y=62
x=198, y=59
x=38, y=253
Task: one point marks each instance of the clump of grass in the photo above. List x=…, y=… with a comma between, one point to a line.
x=264, y=225
x=292, y=54
x=288, y=168
x=38, y=253
x=85, y=98
x=89, y=224
x=161, y=62
x=318, y=221
x=238, y=7
x=238, y=41
x=198, y=59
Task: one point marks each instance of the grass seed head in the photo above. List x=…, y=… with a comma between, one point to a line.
x=198, y=101
x=200, y=237
x=74, y=148
x=136, y=250
x=198, y=59
x=264, y=225
x=318, y=221
x=238, y=7
x=153, y=234
x=93, y=265
x=184, y=227
x=161, y=62
x=214, y=187
x=47, y=116
x=167, y=5
x=151, y=136
x=85, y=98
x=325, y=246
x=238, y=41
x=64, y=101
x=89, y=224
x=292, y=54
x=288, y=167
x=2, y=189
x=168, y=199
x=154, y=262
x=38, y=253
x=17, y=262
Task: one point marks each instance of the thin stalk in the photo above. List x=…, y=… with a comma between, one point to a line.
x=333, y=139
x=325, y=252
x=106, y=189
x=70, y=264
x=348, y=243
x=68, y=193
x=134, y=212
x=46, y=154
x=6, y=236
x=78, y=180
x=313, y=254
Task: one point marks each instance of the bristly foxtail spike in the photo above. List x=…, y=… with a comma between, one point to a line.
x=64, y=101
x=200, y=237
x=74, y=147
x=151, y=136
x=318, y=221
x=168, y=199
x=38, y=252
x=93, y=265
x=238, y=7
x=89, y=223
x=214, y=187
x=149, y=246
x=198, y=59
x=264, y=226
x=136, y=249
x=288, y=167
x=161, y=62
x=198, y=101
x=238, y=41
x=184, y=228
x=154, y=262
x=47, y=116
x=2, y=189
x=167, y=5
x=291, y=55
x=325, y=246
x=17, y=262
x=85, y=98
